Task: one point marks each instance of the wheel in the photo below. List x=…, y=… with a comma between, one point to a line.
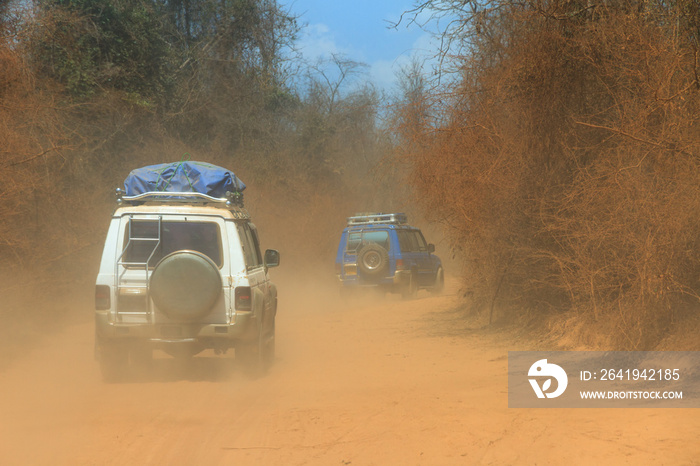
x=439, y=284
x=373, y=260
x=114, y=361
x=269, y=355
x=185, y=285
x=410, y=290
x=257, y=356
x=141, y=360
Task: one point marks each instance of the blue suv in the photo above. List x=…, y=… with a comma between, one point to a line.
x=385, y=252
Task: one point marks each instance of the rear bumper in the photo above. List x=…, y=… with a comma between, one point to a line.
x=163, y=334
x=398, y=280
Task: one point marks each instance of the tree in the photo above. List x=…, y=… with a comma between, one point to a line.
x=94, y=45
x=563, y=159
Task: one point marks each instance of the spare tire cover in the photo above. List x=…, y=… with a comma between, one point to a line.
x=185, y=285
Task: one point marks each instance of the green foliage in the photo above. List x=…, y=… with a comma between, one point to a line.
x=92, y=89
x=95, y=45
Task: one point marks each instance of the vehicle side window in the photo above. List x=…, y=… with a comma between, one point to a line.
x=245, y=245
x=251, y=250
x=256, y=243
x=404, y=241
x=422, y=245
x=413, y=242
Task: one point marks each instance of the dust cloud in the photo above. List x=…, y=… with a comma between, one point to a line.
x=367, y=381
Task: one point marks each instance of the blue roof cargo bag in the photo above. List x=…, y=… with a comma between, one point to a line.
x=186, y=176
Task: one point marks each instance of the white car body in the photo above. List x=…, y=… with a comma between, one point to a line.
x=129, y=321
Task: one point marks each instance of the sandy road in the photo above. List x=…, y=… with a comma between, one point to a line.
x=360, y=383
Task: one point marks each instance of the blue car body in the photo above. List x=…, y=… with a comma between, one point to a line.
x=384, y=251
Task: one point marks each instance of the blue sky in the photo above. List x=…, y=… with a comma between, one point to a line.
x=359, y=30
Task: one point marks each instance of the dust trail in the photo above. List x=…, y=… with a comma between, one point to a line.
x=363, y=382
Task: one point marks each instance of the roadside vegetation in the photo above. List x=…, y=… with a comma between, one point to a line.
x=563, y=159
x=559, y=147
x=90, y=89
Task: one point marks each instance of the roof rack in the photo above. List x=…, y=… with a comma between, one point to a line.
x=372, y=218
x=167, y=197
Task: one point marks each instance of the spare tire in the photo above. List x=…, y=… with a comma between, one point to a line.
x=185, y=285
x=373, y=260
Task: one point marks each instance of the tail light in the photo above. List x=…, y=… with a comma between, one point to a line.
x=243, y=301
x=399, y=264
x=102, y=297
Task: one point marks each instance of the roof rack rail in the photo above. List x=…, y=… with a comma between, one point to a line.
x=373, y=218
x=167, y=197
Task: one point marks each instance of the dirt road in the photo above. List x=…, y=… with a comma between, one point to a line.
x=362, y=383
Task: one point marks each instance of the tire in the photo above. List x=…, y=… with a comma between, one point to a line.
x=185, y=285
x=257, y=356
x=410, y=290
x=141, y=361
x=114, y=361
x=439, y=284
x=269, y=355
x=373, y=260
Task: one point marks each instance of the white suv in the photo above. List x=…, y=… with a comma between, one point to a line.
x=183, y=272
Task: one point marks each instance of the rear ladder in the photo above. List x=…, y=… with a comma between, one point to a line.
x=123, y=287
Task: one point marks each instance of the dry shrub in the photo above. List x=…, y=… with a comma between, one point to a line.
x=32, y=142
x=568, y=169
x=68, y=138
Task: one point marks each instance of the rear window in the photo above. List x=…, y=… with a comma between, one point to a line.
x=359, y=238
x=142, y=243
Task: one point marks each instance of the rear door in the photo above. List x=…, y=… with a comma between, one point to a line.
x=359, y=239
x=145, y=240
